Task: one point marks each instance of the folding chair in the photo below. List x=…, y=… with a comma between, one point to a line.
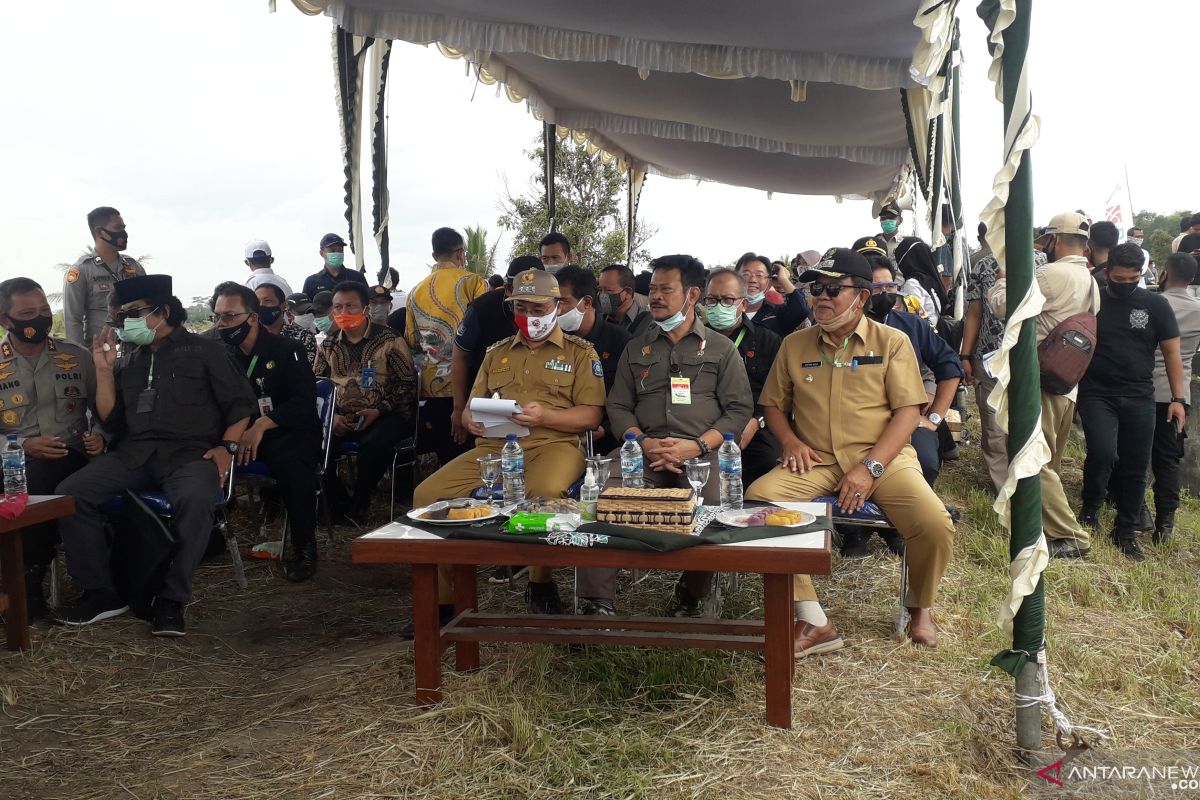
x=326, y=406
x=406, y=448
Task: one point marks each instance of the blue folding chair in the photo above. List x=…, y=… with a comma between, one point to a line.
x=406, y=448
x=326, y=407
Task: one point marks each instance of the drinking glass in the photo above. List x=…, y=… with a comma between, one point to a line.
x=599, y=466
x=489, y=473
x=697, y=474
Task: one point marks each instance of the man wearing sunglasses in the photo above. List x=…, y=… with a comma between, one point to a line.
x=88, y=283
x=843, y=398
x=176, y=407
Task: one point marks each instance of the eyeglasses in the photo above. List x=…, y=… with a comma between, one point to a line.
x=229, y=316
x=827, y=289
x=885, y=285
x=119, y=317
x=726, y=300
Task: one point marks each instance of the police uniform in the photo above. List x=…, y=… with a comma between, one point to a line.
x=86, y=289
x=46, y=396
x=324, y=282
x=842, y=396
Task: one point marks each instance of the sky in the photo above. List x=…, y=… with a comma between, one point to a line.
x=211, y=124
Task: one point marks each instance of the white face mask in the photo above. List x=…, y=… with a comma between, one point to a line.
x=378, y=312
x=305, y=321
x=841, y=319
x=1136, y=241
x=571, y=320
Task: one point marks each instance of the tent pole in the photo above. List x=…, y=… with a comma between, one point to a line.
x=550, y=147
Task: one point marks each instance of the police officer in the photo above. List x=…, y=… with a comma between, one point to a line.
x=559, y=383
x=333, y=270
x=855, y=393
x=679, y=388
x=46, y=388
x=89, y=281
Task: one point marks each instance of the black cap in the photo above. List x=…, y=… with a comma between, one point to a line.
x=322, y=301
x=299, y=302
x=839, y=262
x=889, y=209
x=522, y=263
x=869, y=246
x=379, y=293
x=151, y=288
x=330, y=239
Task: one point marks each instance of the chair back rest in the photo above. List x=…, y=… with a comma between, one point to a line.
x=326, y=405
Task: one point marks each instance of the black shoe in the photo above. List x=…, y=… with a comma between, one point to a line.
x=854, y=544
x=94, y=606
x=35, y=599
x=504, y=574
x=1161, y=535
x=597, y=607
x=1127, y=543
x=445, y=614
x=893, y=540
x=542, y=598
x=682, y=604
x=1066, y=548
x=304, y=564
x=951, y=454
x=1145, y=520
x=1089, y=520
x=955, y=514
x=168, y=618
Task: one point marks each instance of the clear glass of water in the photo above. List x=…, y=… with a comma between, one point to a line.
x=599, y=467
x=698, y=470
x=489, y=473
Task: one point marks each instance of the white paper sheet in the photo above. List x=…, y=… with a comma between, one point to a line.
x=398, y=530
x=496, y=417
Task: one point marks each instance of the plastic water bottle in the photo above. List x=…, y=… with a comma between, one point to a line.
x=631, y=462
x=729, y=465
x=14, y=469
x=589, y=495
x=512, y=467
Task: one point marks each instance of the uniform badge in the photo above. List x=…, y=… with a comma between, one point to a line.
x=2, y=403
x=72, y=391
x=597, y=369
x=647, y=350
x=6, y=350
x=504, y=360
x=808, y=379
x=5, y=365
x=6, y=374
x=9, y=417
x=130, y=269
x=72, y=275
x=527, y=277
x=18, y=399
x=67, y=366
x=64, y=357
x=749, y=354
x=270, y=365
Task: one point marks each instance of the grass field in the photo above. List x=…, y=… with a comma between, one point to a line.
x=286, y=691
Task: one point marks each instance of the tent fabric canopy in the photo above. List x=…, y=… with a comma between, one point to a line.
x=795, y=96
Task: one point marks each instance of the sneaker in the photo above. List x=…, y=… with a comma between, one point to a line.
x=951, y=454
x=597, y=607
x=94, y=606
x=1066, y=548
x=682, y=604
x=1127, y=543
x=809, y=640
x=168, y=618
x=505, y=574
x=1161, y=535
x=542, y=598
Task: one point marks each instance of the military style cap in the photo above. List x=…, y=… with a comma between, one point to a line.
x=380, y=294
x=890, y=209
x=839, y=262
x=1068, y=222
x=534, y=284
x=869, y=246
x=151, y=288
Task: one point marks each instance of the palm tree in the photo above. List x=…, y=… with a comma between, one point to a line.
x=481, y=259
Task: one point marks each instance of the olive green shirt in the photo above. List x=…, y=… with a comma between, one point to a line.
x=48, y=395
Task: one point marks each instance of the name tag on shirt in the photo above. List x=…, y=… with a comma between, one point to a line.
x=681, y=391
x=368, y=378
x=265, y=406
x=145, y=401
x=868, y=360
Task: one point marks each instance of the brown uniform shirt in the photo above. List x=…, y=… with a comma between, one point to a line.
x=563, y=373
x=843, y=397
x=641, y=396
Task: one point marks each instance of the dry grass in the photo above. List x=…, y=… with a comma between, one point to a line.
x=305, y=691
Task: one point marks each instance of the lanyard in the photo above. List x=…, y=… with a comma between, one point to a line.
x=738, y=341
x=837, y=361
x=150, y=377
x=253, y=364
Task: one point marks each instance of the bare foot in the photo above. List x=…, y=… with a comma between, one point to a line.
x=921, y=629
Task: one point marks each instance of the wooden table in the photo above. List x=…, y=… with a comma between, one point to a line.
x=776, y=559
x=41, y=508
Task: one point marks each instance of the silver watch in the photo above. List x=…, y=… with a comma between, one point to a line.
x=874, y=467
x=934, y=417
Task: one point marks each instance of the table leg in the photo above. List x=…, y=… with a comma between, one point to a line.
x=466, y=654
x=427, y=644
x=778, y=648
x=12, y=570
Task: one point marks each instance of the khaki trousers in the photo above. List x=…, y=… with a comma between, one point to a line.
x=992, y=440
x=1058, y=521
x=550, y=469
x=909, y=503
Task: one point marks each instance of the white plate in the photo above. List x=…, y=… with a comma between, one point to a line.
x=415, y=514
x=737, y=519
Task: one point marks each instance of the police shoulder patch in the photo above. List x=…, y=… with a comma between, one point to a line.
x=579, y=340
x=597, y=368
x=72, y=275
x=506, y=340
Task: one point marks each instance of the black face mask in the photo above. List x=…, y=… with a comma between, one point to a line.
x=235, y=336
x=268, y=316
x=609, y=303
x=118, y=239
x=880, y=304
x=32, y=331
x=1120, y=290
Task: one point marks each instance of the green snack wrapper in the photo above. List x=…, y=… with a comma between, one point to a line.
x=541, y=523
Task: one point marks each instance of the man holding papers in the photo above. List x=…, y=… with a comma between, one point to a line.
x=557, y=383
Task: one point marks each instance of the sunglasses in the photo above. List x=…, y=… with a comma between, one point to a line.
x=828, y=289
x=119, y=317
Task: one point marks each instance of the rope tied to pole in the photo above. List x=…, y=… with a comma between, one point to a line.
x=1049, y=704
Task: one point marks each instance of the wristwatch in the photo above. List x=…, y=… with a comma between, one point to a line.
x=1179, y=400
x=874, y=467
x=704, y=448
x=762, y=422
x=231, y=446
x=934, y=417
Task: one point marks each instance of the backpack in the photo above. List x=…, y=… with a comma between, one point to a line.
x=1066, y=352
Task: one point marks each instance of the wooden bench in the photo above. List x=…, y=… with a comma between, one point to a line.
x=41, y=508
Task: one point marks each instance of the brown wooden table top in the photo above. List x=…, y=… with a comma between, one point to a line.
x=41, y=508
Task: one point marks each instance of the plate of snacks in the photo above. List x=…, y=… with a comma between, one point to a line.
x=764, y=516
x=464, y=511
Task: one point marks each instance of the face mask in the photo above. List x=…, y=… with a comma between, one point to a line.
x=323, y=324
x=536, y=328
x=672, y=322
x=335, y=260
x=137, y=332
x=305, y=321
x=609, y=303
x=378, y=312
x=880, y=304
x=841, y=319
x=268, y=316
x=755, y=299
x=1136, y=241
x=236, y=335
x=889, y=226
x=32, y=331
x=571, y=320
x=349, y=322
x=118, y=239
x=1120, y=290
x=721, y=317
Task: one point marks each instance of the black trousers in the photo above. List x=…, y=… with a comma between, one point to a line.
x=1119, y=432
x=760, y=457
x=376, y=449
x=42, y=477
x=291, y=456
x=929, y=452
x=1164, y=460
x=434, y=432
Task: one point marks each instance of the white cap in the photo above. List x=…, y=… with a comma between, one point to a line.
x=257, y=248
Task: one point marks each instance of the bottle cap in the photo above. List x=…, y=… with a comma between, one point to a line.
x=729, y=437
x=512, y=437
x=631, y=436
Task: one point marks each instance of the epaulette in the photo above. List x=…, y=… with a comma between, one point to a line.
x=579, y=340
x=507, y=340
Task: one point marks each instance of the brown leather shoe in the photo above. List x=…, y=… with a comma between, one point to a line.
x=921, y=629
x=810, y=640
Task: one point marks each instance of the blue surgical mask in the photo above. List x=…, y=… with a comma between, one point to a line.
x=889, y=226
x=335, y=260
x=755, y=299
x=672, y=322
x=137, y=332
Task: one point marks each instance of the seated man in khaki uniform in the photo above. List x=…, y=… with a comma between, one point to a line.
x=559, y=382
x=855, y=393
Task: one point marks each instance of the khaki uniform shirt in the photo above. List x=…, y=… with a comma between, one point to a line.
x=718, y=395
x=563, y=373
x=841, y=411
x=49, y=395
x=86, y=289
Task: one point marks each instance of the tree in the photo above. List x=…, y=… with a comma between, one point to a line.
x=481, y=259
x=1160, y=230
x=589, y=206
